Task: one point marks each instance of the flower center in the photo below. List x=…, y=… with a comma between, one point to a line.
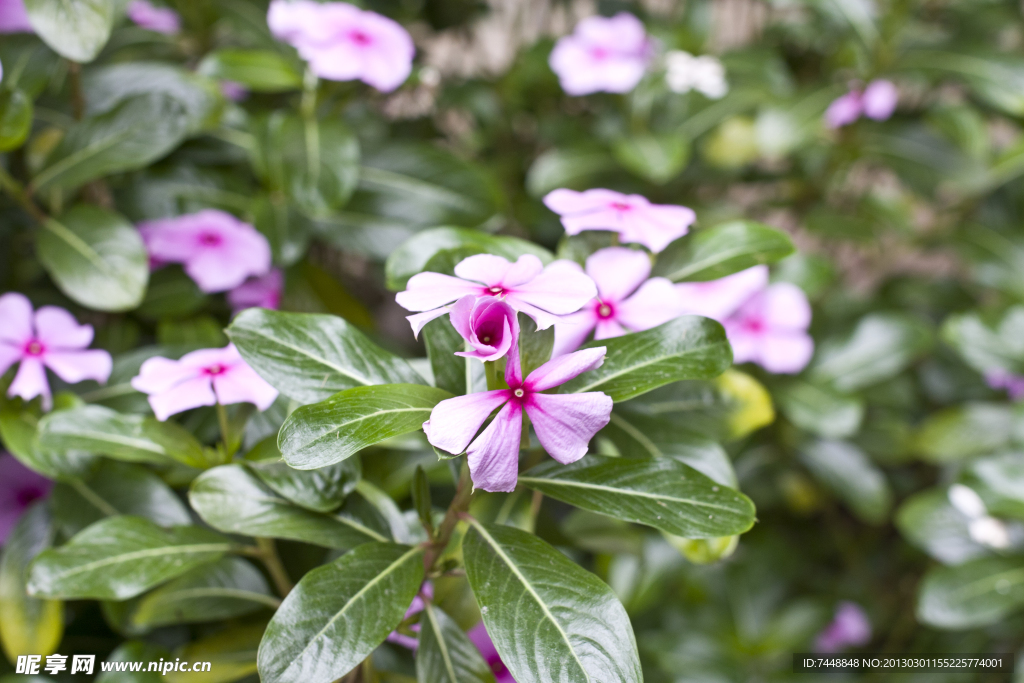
x=604, y=311
x=496, y=290
x=486, y=340
x=599, y=53
x=27, y=496
x=519, y=393
x=210, y=239
x=754, y=325
x=215, y=369
x=360, y=38
x=34, y=348
x=621, y=206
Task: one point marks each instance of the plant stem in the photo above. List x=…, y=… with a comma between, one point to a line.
x=225, y=430
x=17, y=192
x=272, y=561
x=463, y=492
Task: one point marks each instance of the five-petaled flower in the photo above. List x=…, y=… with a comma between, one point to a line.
x=487, y=323
x=877, y=101
x=261, y=292
x=627, y=301
x=565, y=423
x=201, y=378
x=50, y=338
x=849, y=628
x=160, y=19
x=603, y=54
x=342, y=42
x=632, y=216
x=19, y=488
x=218, y=251
x=526, y=285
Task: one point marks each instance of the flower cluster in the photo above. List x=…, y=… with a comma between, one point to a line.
x=602, y=55
x=877, y=101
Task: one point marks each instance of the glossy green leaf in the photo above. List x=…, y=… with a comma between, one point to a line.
x=257, y=70
x=126, y=654
x=535, y=346
x=442, y=341
x=550, y=620
x=846, y=470
x=321, y=490
x=312, y=357
x=689, y=347
x=412, y=255
x=28, y=626
x=929, y=521
x=339, y=613
x=15, y=119
x=978, y=593
x=231, y=653
x=76, y=30
x=965, y=431
x=1000, y=482
x=821, y=410
x=662, y=493
x=657, y=158
x=722, y=250
x=986, y=348
x=445, y=653
x=19, y=429
x=96, y=257
x=120, y=557
x=233, y=500
x=573, y=168
x=330, y=431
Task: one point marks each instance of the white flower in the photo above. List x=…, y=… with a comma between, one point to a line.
x=686, y=72
x=982, y=528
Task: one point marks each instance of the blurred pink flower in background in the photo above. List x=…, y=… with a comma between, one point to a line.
x=488, y=324
x=627, y=301
x=565, y=423
x=770, y=329
x=218, y=251
x=718, y=299
x=877, y=101
x=152, y=18
x=201, y=378
x=50, y=338
x=1002, y=379
x=234, y=91
x=849, y=628
x=342, y=42
x=19, y=488
x=259, y=292
x=526, y=285
x=13, y=17
x=632, y=216
x=427, y=589
x=478, y=636
x=602, y=55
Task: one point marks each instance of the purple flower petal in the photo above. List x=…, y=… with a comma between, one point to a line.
x=602, y=54
x=16, y=312
x=19, y=488
x=844, y=110
x=31, y=382
x=191, y=393
x=77, y=366
x=564, y=368
x=718, y=299
x=565, y=423
x=656, y=302
x=454, y=422
x=58, y=329
x=494, y=456
x=573, y=329
x=158, y=19
x=618, y=271
x=14, y=18
x=880, y=99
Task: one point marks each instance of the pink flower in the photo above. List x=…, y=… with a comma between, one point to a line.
x=526, y=285
x=151, y=18
x=564, y=423
x=718, y=299
x=201, y=378
x=19, y=488
x=13, y=17
x=478, y=636
x=877, y=101
x=627, y=301
x=602, y=54
x=234, y=91
x=261, y=292
x=849, y=628
x=218, y=250
x=489, y=325
x=632, y=216
x=51, y=338
x=342, y=42
x=770, y=329
x=1001, y=379
x=417, y=605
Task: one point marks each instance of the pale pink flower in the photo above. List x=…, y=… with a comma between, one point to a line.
x=770, y=329
x=259, y=292
x=1001, y=379
x=718, y=299
x=201, y=378
x=877, y=101
x=19, y=488
x=14, y=18
x=565, y=423
x=849, y=628
x=632, y=216
x=487, y=323
x=152, y=18
x=50, y=338
x=417, y=606
x=526, y=285
x=482, y=640
x=342, y=42
x=234, y=91
x=626, y=300
x=602, y=55
x=218, y=251
x=844, y=110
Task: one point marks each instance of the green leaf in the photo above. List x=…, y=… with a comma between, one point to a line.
x=321, y=490
x=96, y=257
x=231, y=653
x=848, y=472
x=330, y=431
x=661, y=493
x=985, y=348
x=657, y=158
x=228, y=588
x=573, y=168
x=19, y=428
x=820, y=409
x=233, y=500
x=535, y=346
x=28, y=626
x=339, y=613
x=880, y=347
x=312, y=357
x=965, y=431
x=15, y=119
x=257, y=70
x=412, y=255
x=979, y=593
x=120, y=557
x=446, y=654
x=1000, y=482
x=929, y=521
x=550, y=620
x=132, y=438
x=689, y=347
x=442, y=341
x=134, y=651
x=722, y=250
x=77, y=30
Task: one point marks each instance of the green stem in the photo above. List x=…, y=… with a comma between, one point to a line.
x=460, y=504
x=225, y=429
x=272, y=561
x=17, y=192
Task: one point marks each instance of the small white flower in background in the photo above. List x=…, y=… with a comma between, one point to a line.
x=686, y=72
x=982, y=527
